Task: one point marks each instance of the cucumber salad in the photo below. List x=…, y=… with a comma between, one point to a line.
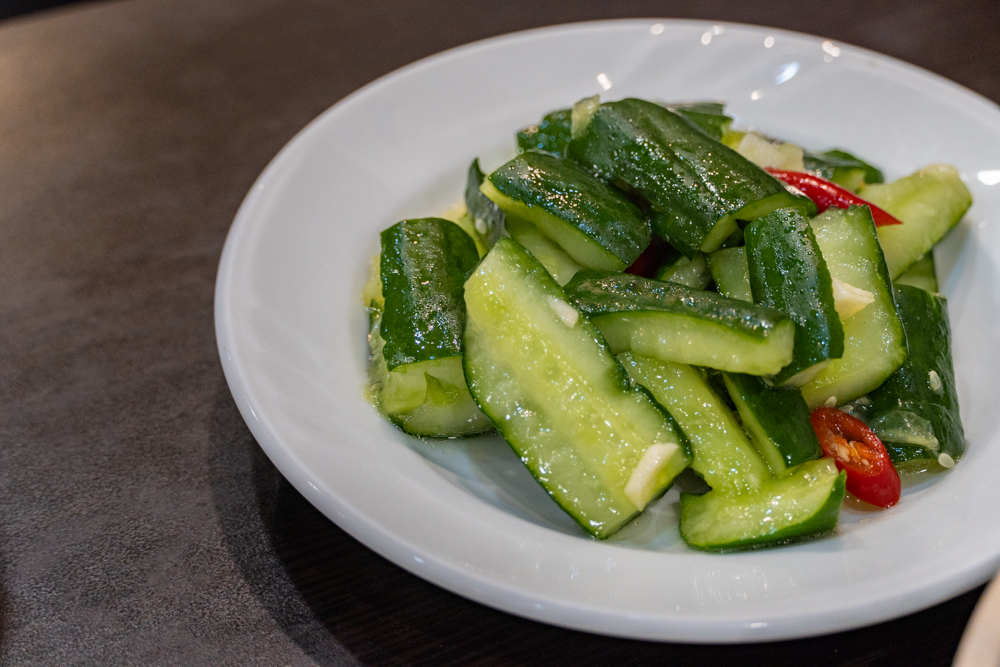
x=645, y=290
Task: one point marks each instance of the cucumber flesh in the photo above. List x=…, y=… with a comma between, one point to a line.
x=723, y=456
x=427, y=398
x=677, y=323
x=874, y=341
x=684, y=271
x=805, y=503
x=921, y=274
x=929, y=203
x=731, y=273
x=556, y=260
x=598, y=444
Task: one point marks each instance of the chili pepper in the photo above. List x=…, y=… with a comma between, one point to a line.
x=871, y=476
x=826, y=194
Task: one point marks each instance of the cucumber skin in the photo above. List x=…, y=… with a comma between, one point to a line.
x=551, y=134
x=925, y=320
x=617, y=377
x=783, y=417
x=424, y=265
x=480, y=207
x=823, y=521
x=569, y=193
x=706, y=116
x=842, y=168
x=603, y=292
x=788, y=273
x=689, y=179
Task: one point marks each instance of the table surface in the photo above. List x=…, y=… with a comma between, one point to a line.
x=141, y=523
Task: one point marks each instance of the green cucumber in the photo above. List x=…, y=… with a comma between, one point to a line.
x=929, y=203
x=426, y=398
x=550, y=135
x=423, y=267
x=874, y=342
x=706, y=116
x=917, y=407
x=731, y=273
x=678, y=323
x=556, y=260
x=691, y=272
x=697, y=187
x=788, y=273
x=921, y=274
x=598, y=444
x=803, y=504
x=842, y=168
x=416, y=332
x=723, y=456
x=487, y=218
x=777, y=420
x=594, y=223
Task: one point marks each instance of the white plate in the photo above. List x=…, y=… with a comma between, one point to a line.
x=466, y=515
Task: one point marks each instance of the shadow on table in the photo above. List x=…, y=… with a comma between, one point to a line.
x=336, y=599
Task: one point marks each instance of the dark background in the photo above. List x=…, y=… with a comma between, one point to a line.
x=9, y=8
x=140, y=522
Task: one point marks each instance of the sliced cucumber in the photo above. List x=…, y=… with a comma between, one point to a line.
x=723, y=456
x=803, y=504
x=423, y=267
x=765, y=152
x=487, y=218
x=550, y=135
x=416, y=332
x=683, y=271
x=706, y=116
x=599, y=445
x=731, y=273
x=426, y=398
x=917, y=407
x=929, y=203
x=921, y=274
x=777, y=419
x=594, y=223
x=842, y=168
x=696, y=186
x=788, y=273
x=556, y=260
x=874, y=342
x=678, y=323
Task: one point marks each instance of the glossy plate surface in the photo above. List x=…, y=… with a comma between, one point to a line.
x=465, y=514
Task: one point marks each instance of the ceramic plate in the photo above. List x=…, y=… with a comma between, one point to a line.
x=465, y=514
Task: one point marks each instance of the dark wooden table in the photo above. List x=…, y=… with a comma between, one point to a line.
x=139, y=521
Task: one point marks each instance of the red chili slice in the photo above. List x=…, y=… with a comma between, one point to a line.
x=826, y=194
x=871, y=476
